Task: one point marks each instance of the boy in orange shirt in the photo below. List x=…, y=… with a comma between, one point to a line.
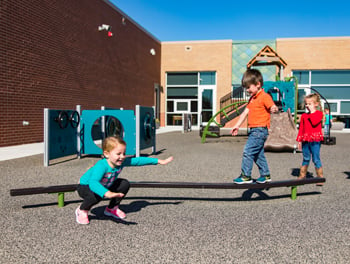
x=259, y=107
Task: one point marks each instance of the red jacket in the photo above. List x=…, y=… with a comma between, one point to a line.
x=310, y=127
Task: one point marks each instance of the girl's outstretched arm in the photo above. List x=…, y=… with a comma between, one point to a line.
x=166, y=161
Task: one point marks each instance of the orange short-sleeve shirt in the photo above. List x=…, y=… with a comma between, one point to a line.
x=259, y=110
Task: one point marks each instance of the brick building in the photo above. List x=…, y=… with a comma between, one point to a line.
x=53, y=55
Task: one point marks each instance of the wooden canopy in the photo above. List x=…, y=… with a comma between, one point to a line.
x=266, y=56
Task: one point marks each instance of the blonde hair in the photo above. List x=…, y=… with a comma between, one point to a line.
x=111, y=142
x=316, y=98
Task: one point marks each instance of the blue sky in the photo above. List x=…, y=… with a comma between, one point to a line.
x=181, y=20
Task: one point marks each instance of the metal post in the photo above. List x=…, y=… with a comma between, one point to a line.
x=46, y=137
x=138, y=130
x=78, y=109
x=154, y=123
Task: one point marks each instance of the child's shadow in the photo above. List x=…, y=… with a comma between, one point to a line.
x=296, y=172
x=347, y=173
x=130, y=208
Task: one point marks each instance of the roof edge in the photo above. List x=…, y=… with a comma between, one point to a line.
x=131, y=20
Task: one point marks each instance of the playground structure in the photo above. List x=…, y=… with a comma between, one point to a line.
x=283, y=130
x=282, y=133
x=76, y=132
x=284, y=94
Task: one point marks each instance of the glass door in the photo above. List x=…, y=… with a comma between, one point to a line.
x=206, y=103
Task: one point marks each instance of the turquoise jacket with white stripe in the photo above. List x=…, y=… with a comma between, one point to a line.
x=101, y=176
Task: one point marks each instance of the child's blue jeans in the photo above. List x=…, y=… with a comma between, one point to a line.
x=254, y=152
x=326, y=130
x=311, y=150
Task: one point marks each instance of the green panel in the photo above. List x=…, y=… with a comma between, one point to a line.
x=333, y=107
x=62, y=141
x=182, y=92
x=330, y=77
x=345, y=107
x=243, y=52
x=331, y=92
x=207, y=78
x=182, y=106
x=302, y=76
x=147, y=131
x=182, y=78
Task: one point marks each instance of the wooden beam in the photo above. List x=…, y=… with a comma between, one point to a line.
x=193, y=185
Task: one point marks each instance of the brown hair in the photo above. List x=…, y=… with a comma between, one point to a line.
x=111, y=142
x=252, y=76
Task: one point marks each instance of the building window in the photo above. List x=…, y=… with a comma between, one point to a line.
x=334, y=85
x=207, y=78
x=187, y=92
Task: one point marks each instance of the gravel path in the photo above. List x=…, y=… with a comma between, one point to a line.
x=182, y=225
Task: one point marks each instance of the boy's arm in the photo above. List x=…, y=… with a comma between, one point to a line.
x=269, y=104
x=241, y=119
x=274, y=109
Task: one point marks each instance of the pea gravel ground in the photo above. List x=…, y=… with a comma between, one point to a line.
x=182, y=225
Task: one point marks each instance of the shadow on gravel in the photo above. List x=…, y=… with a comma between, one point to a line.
x=296, y=172
x=248, y=195
x=50, y=204
x=127, y=208
x=347, y=173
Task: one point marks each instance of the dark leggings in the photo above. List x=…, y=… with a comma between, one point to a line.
x=90, y=198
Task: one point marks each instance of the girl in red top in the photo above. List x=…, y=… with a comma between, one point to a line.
x=310, y=135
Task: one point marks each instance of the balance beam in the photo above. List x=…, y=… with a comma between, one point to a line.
x=62, y=189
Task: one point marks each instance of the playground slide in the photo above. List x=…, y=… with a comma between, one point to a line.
x=282, y=133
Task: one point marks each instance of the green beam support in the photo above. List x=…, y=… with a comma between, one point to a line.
x=61, y=199
x=294, y=192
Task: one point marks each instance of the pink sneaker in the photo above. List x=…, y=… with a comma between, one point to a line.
x=81, y=216
x=115, y=212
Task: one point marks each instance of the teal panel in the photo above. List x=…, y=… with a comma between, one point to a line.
x=182, y=92
x=333, y=107
x=333, y=92
x=182, y=78
x=286, y=95
x=125, y=117
x=61, y=141
x=207, y=78
x=243, y=52
x=330, y=77
x=147, y=127
x=302, y=76
x=345, y=107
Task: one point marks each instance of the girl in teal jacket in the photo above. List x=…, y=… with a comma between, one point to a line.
x=101, y=180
